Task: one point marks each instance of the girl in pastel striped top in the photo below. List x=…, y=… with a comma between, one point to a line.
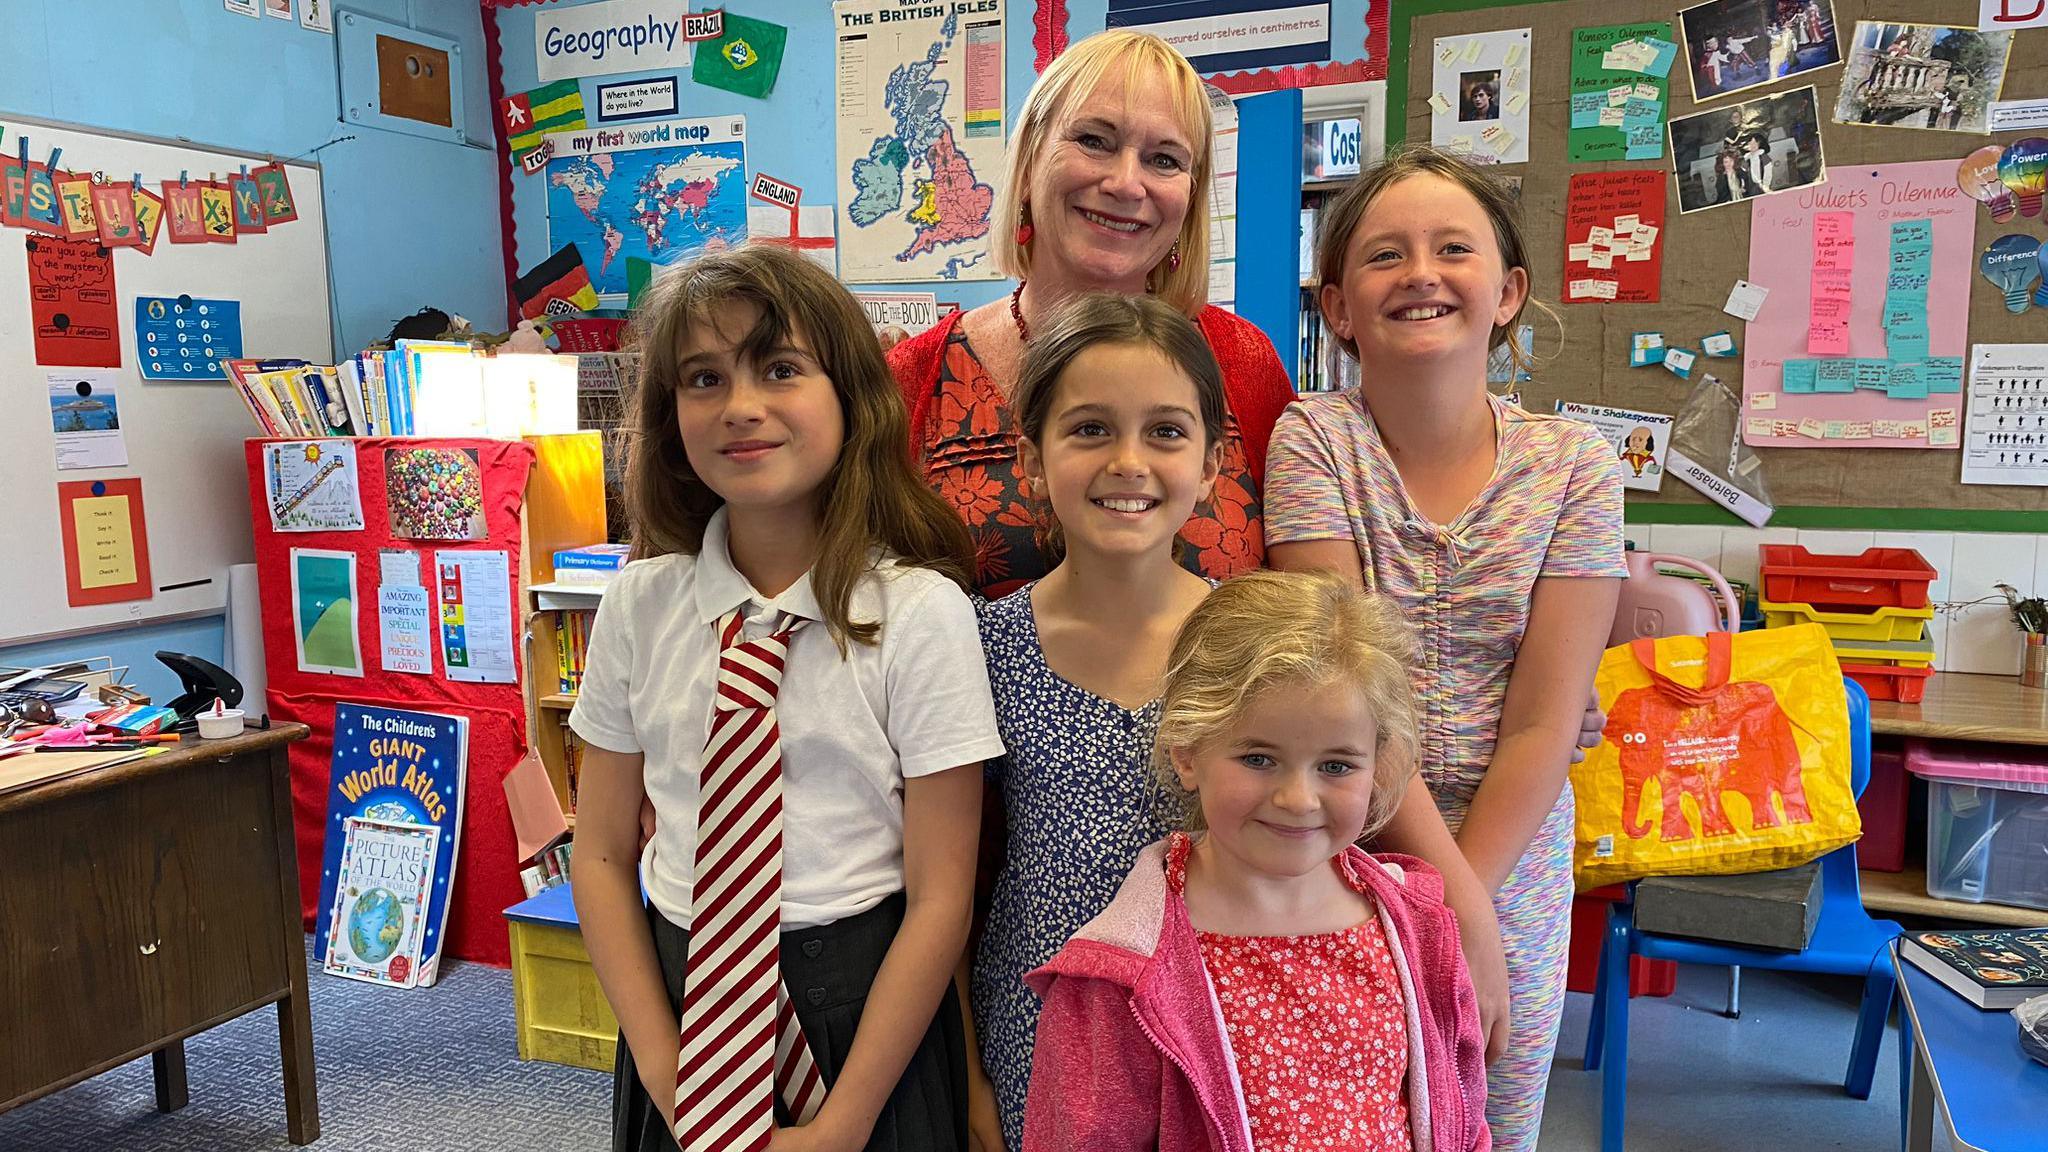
x=1498, y=532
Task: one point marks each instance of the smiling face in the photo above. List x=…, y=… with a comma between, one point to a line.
x=1422, y=277
x=762, y=428
x=1290, y=784
x=1110, y=190
x=1122, y=455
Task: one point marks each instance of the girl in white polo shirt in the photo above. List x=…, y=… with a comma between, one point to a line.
x=783, y=536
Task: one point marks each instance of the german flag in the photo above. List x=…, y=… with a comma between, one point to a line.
x=558, y=286
x=556, y=107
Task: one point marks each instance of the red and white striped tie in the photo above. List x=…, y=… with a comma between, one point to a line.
x=741, y=1043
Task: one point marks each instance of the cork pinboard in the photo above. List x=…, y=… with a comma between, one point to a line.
x=1706, y=252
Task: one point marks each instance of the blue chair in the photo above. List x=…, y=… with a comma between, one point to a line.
x=1846, y=942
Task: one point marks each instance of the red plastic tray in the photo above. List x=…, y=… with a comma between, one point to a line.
x=1878, y=578
x=1906, y=685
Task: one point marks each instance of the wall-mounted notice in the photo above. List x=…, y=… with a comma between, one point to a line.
x=71, y=303
x=1479, y=98
x=2006, y=441
x=637, y=99
x=1612, y=221
x=185, y=337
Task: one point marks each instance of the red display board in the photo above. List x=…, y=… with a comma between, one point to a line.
x=487, y=874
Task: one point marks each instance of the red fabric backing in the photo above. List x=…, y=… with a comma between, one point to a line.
x=487, y=876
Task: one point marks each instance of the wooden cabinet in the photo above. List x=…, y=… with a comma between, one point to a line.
x=565, y=508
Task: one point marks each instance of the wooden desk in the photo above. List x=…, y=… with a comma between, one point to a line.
x=146, y=902
x=1960, y=706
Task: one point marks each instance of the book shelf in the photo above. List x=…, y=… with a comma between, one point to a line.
x=565, y=508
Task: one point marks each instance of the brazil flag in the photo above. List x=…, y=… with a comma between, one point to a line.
x=744, y=60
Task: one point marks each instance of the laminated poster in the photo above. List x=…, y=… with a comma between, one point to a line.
x=186, y=337
x=85, y=416
x=1479, y=99
x=324, y=612
x=434, y=493
x=1640, y=438
x=72, y=303
x=106, y=541
x=2007, y=437
x=1613, y=226
x=1864, y=339
x=310, y=486
x=477, y=627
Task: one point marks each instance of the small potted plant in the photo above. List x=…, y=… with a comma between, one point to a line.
x=2030, y=614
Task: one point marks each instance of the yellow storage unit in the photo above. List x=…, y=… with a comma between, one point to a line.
x=560, y=1011
x=1876, y=624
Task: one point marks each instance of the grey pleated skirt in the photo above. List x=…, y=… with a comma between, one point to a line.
x=828, y=972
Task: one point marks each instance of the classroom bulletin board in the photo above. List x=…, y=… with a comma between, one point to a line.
x=1703, y=254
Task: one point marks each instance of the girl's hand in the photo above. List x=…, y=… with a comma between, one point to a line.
x=817, y=1136
x=1591, y=725
x=662, y=1095
x=1488, y=962
x=984, y=1127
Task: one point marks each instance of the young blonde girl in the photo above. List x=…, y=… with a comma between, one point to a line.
x=1499, y=535
x=1120, y=408
x=1263, y=983
x=781, y=534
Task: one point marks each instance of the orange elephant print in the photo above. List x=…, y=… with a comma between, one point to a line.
x=1693, y=750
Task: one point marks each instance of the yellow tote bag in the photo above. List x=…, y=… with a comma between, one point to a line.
x=1723, y=753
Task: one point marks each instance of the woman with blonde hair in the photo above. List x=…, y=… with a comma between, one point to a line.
x=1106, y=189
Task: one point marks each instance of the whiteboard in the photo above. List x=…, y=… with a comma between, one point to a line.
x=184, y=440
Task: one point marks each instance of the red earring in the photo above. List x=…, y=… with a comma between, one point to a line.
x=1173, y=257
x=1023, y=232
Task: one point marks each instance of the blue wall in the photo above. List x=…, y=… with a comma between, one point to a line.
x=410, y=222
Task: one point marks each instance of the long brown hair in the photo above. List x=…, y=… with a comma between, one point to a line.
x=872, y=498
x=1094, y=318
x=1342, y=215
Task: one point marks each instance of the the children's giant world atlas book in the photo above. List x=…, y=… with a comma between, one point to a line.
x=404, y=768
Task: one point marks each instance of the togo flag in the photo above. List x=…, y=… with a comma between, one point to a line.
x=555, y=107
x=744, y=60
x=558, y=286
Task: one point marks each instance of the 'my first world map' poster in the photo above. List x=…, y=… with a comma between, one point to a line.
x=663, y=192
x=920, y=108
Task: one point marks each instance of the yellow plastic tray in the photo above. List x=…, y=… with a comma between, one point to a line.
x=1887, y=653
x=1876, y=624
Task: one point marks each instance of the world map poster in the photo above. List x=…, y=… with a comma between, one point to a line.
x=920, y=111
x=663, y=192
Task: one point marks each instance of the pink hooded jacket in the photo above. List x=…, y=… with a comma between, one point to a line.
x=1132, y=1052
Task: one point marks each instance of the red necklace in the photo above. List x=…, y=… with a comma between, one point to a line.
x=1017, y=313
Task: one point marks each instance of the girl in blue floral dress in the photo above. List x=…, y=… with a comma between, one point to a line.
x=1121, y=417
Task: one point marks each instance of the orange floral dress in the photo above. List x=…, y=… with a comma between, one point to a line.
x=970, y=459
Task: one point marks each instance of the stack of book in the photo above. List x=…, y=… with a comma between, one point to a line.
x=419, y=388
x=572, y=644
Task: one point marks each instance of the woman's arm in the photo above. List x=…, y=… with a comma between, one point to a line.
x=1569, y=618
x=614, y=921
x=940, y=822
x=1417, y=829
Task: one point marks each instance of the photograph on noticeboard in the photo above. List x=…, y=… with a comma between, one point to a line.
x=1735, y=45
x=1922, y=76
x=1741, y=151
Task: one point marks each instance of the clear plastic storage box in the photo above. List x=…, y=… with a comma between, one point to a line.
x=1987, y=823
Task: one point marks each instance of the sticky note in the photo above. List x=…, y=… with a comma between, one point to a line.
x=1517, y=102
x=1832, y=284
x=1472, y=49
x=1679, y=361
x=1610, y=117
x=1664, y=52
x=1943, y=437
x=1627, y=223
x=1639, y=252
x=1605, y=290
x=1647, y=91
x=1498, y=138
x=1579, y=252
x=1834, y=227
x=1827, y=340
x=1764, y=401
x=1645, y=348
x=1745, y=300
x=1907, y=343
x=1637, y=108
x=1887, y=429
x=1514, y=55
x=1646, y=233
x=1907, y=381
x=1618, y=95
x=1643, y=142
x=1857, y=430
x=1800, y=375
x=1913, y=233
x=1944, y=374
x=1437, y=101
x=1834, y=429
x=1601, y=259
x=1914, y=430
x=1812, y=429
x=1757, y=426
x=1517, y=80
x=1600, y=237
x=1459, y=146
x=1586, y=109
x=1448, y=54
x=1720, y=344
x=1834, y=375
x=1873, y=375
x=1784, y=428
